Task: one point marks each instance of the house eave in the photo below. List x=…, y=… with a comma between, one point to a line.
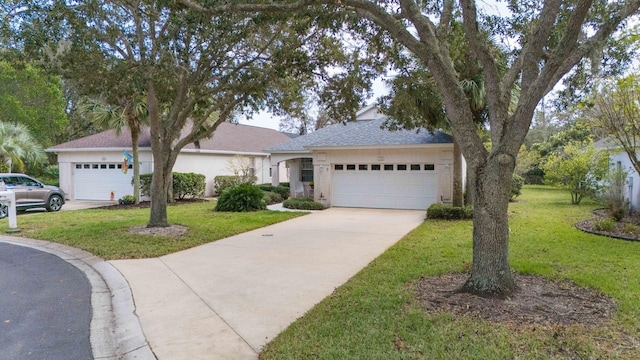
x=223, y=152
x=147, y=149
x=65, y=150
x=374, y=147
x=289, y=152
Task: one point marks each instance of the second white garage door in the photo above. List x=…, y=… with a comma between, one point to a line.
x=95, y=181
x=385, y=186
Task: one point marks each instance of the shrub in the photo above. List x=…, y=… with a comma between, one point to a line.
x=184, y=185
x=241, y=198
x=282, y=190
x=604, y=225
x=51, y=175
x=447, y=212
x=222, y=182
x=618, y=213
x=127, y=199
x=516, y=186
x=145, y=184
x=271, y=197
x=51, y=171
x=302, y=203
x=631, y=228
x=188, y=185
x=613, y=194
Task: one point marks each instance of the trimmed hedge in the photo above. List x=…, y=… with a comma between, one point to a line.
x=302, y=203
x=282, y=190
x=127, y=200
x=241, y=198
x=188, y=185
x=222, y=182
x=145, y=184
x=184, y=185
x=272, y=197
x=446, y=212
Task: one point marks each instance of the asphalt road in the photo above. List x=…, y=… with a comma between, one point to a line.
x=45, y=306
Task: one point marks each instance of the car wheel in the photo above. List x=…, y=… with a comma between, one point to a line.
x=54, y=203
x=4, y=211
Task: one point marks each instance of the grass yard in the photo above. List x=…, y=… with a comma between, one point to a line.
x=375, y=314
x=105, y=233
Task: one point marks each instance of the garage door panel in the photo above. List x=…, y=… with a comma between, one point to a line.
x=97, y=184
x=384, y=189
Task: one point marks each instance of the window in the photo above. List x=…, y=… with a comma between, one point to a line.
x=103, y=166
x=78, y=166
x=429, y=167
x=388, y=167
x=306, y=169
x=95, y=166
x=415, y=167
x=270, y=172
x=86, y=166
x=113, y=166
x=119, y=166
x=363, y=167
x=402, y=167
x=375, y=167
x=338, y=167
x=351, y=167
x=30, y=182
x=12, y=181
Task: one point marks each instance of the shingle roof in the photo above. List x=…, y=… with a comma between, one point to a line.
x=227, y=137
x=606, y=143
x=361, y=133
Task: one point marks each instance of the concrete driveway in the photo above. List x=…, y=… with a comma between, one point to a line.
x=229, y=298
x=84, y=204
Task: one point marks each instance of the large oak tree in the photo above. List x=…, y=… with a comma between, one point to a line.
x=548, y=39
x=195, y=70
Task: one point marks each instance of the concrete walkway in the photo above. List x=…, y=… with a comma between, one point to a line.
x=229, y=298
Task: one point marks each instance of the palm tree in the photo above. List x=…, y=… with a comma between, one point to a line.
x=18, y=147
x=128, y=113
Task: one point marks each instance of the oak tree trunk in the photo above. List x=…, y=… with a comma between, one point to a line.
x=458, y=194
x=161, y=164
x=161, y=177
x=135, y=134
x=490, y=272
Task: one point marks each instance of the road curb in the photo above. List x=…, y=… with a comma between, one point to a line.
x=115, y=331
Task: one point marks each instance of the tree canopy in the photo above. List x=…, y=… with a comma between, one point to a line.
x=34, y=99
x=196, y=70
x=614, y=112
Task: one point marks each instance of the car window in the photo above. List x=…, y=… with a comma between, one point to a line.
x=30, y=182
x=12, y=180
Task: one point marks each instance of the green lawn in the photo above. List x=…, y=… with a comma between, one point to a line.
x=105, y=232
x=375, y=315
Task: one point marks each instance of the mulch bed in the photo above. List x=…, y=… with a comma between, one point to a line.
x=147, y=204
x=620, y=229
x=538, y=301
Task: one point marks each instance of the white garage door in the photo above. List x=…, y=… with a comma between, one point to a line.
x=95, y=181
x=386, y=186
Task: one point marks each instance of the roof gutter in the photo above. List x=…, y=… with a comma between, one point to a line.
x=375, y=147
